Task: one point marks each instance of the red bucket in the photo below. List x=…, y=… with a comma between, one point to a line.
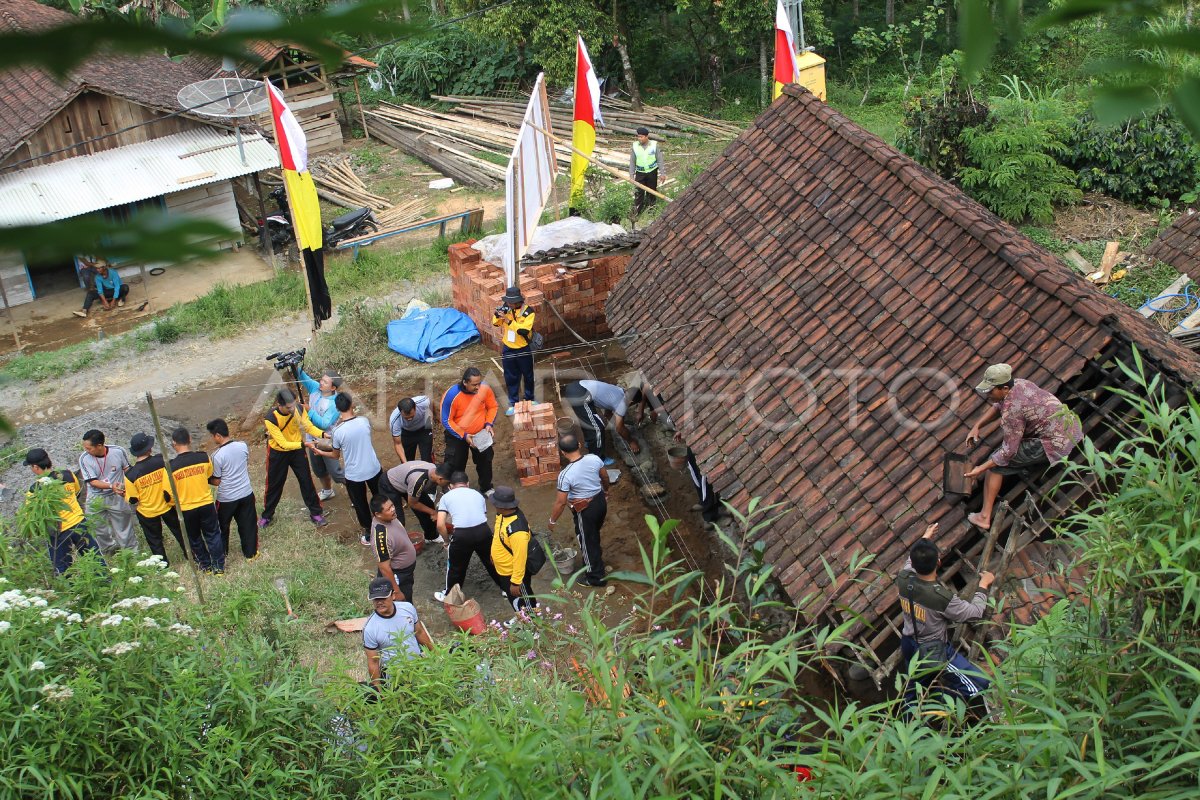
x=467, y=617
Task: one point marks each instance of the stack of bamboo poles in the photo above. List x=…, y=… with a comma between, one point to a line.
x=337, y=183
x=472, y=142
x=402, y=214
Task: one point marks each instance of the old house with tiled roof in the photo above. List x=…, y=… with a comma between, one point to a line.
x=841, y=301
x=109, y=138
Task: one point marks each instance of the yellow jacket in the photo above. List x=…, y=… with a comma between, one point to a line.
x=285, y=431
x=510, y=545
x=516, y=327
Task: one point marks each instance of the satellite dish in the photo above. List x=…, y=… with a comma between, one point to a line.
x=224, y=98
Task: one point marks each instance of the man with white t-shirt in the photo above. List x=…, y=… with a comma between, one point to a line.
x=393, y=633
x=102, y=467
x=582, y=485
x=235, y=495
x=467, y=509
x=351, y=441
x=593, y=403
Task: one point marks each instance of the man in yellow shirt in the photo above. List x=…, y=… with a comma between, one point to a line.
x=286, y=425
x=70, y=535
x=191, y=471
x=515, y=320
x=149, y=492
x=510, y=548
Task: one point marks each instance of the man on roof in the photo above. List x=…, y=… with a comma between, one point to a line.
x=1037, y=429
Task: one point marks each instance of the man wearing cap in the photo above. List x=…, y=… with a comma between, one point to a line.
x=593, y=403
x=322, y=412
x=191, y=471
x=468, y=411
x=411, y=424
x=149, y=492
x=510, y=548
x=467, y=509
x=582, y=485
x=394, y=548
x=515, y=320
x=70, y=535
x=417, y=483
x=286, y=426
x=235, y=494
x=392, y=633
x=102, y=468
x=1037, y=429
x=643, y=169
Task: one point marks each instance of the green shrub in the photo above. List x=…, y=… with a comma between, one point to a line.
x=1151, y=156
x=455, y=61
x=933, y=128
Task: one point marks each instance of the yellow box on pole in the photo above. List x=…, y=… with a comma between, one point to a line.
x=812, y=73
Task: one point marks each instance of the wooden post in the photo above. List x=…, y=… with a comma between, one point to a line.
x=8, y=313
x=264, y=234
x=361, y=114
x=162, y=447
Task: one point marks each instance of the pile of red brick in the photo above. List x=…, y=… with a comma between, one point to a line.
x=535, y=443
x=578, y=294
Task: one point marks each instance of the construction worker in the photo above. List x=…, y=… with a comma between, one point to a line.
x=515, y=320
x=593, y=403
x=510, y=548
x=582, y=484
x=191, y=471
x=928, y=608
x=285, y=426
x=148, y=491
x=643, y=169
x=469, y=410
x=70, y=536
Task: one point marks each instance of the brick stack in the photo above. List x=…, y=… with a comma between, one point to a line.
x=535, y=443
x=578, y=294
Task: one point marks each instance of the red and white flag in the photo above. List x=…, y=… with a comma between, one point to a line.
x=786, y=69
x=587, y=116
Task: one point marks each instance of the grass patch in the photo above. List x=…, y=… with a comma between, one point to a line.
x=358, y=344
x=884, y=119
x=55, y=363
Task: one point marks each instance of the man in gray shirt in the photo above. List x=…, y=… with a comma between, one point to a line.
x=393, y=548
x=352, y=441
x=103, y=470
x=593, y=403
x=467, y=509
x=582, y=485
x=393, y=633
x=417, y=483
x=412, y=428
x=235, y=495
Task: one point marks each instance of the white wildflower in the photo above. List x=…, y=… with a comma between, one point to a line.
x=4, y=625
x=179, y=588
x=114, y=570
x=3, y=580
x=184, y=630
x=142, y=602
x=57, y=694
x=74, y=618
x=38, y=602
x=149, y=622
x=54, y=613
x=171, y=574
x=112, y=620
x=37, y=666
x=120, y=648
x=153, y=561
x=135, y=579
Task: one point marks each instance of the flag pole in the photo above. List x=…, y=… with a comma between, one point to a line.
x=287, y=193
x=611, y=170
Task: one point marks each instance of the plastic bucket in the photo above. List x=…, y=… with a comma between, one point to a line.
x=472, y=625
x=566, y=560
x=677, y=456
x=565, y=425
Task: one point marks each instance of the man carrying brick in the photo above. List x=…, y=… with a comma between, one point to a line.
x=593, y=403
x=582, y=485
x=515, y=320
x=468, y=411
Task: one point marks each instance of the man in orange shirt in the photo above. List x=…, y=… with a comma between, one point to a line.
x=468, y=412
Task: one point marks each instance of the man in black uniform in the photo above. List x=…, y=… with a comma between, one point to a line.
x=928, y=608
x=191, y=471
x=149, y=492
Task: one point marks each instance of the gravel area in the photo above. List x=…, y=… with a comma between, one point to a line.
x=62, y=440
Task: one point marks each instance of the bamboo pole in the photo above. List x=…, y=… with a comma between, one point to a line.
x=361, y=115
x=162, y=447
x=615, y=173
x=292, y=208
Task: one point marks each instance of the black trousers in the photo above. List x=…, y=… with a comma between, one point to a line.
x=519, y=601
x=463, y=542
x=243, y=512
x=358, y=498
x=204, y=535
x=152, y=528
x=587, y=531
x=590, y=421
x=64, y=545
x=710, y=500
x=642, y=199
x=518, y=366
x=92, y=296
x=404, y=580
x=456, y=455
x=278, y=464
x=412, y=441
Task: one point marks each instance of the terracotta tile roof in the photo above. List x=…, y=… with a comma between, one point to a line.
x=1179, y=245
x=812, y=251
x=30, y=97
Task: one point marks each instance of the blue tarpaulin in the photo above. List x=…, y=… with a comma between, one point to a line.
x=431, y=335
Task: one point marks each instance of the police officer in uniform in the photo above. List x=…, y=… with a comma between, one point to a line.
x=643, y=169
x=928, y=608
x=515, y=320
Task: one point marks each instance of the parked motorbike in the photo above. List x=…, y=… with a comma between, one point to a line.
x=348, y=226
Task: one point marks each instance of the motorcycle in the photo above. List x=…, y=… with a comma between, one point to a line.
x=350, y=225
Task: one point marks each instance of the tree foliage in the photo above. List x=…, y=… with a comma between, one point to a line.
x=1151, y=156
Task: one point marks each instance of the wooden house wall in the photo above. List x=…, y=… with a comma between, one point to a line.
x=212, y=201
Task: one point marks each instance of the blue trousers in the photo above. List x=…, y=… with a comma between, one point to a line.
x=518, y=365
x=957, y=675
x=204, y=534
x=65, y=544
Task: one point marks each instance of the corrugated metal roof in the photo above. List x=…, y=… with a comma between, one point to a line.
x=135, y=172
